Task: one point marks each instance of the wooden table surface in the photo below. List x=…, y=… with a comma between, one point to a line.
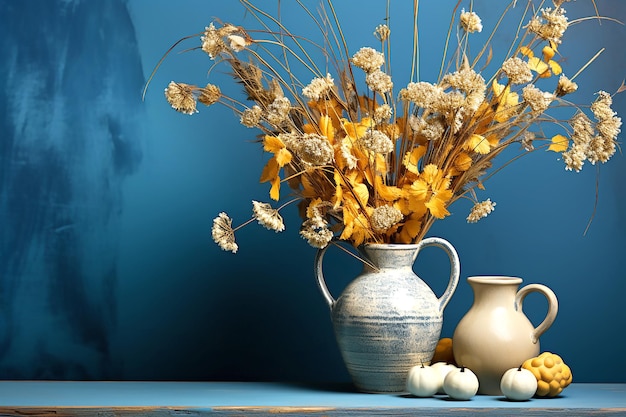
x=47, y=398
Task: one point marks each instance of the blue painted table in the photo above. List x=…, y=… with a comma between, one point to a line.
x=47, y=398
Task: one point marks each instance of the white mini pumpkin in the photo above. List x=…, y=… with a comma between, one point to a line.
x=423, y=381
x=443, y=369
x=460, y=384
x=518, y=384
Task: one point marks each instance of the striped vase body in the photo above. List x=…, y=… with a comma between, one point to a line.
x=388, y=320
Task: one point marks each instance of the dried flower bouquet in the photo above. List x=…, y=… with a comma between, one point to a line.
x=367, y=164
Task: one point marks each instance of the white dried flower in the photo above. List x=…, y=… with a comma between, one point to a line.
x=267, y=216
x=212, y=42
x=316, y=236
x=209, y=94
x=538, y=100
x=368, y=59
x=422, y=94
x=601, y=107
x=550, y=26
x=600, y=149
x=517, y=71
x=376, y=141
x=609, y=128
x=384, y=217
x=252, y=116
x=237, y=43
x=181, y=97
x=481, y=210
x=565, y=86
x=379, y=82
x=382, y=114
x=382, y=32
x=223, y=233
x=471, y=22
x=315, y=150
x=278, y=111
x=318, y=87
x=575, y=157
x=527, y=141
x=432, y=129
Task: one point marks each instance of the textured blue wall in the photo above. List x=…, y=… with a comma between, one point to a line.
x=107, y=267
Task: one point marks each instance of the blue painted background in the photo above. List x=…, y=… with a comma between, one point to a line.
x=107, y=267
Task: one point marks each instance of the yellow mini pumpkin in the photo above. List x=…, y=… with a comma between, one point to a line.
x=443, y=351
x=552, y=374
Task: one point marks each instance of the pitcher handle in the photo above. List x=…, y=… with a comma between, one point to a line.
x=319, y=275
x=455, y=266
x=553, y=307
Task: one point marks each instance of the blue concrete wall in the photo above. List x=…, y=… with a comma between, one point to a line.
x=107, y=267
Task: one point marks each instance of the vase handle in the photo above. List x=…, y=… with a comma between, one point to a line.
x=455, y=266
x=553, y=307
x=319, y=275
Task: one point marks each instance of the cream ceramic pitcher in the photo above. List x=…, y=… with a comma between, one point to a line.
x=495, y=334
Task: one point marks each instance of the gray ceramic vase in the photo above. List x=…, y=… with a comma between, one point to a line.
x=387, y=319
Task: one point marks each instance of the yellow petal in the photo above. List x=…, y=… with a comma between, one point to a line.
x=548, y=53
x=559, y=143
x=270, y=171
x=327, y=129
x=283, y=157
x=361, y=192
x=526, y=51
x=437, y=208
x=275, y=190
x=555, y=67
x=411, y=229
x=387, y=192
x=478, y=144
x=272, y=144
x=411, y=159
x=463, y=162
x=431, y=173
x=537, y=65
x=419, y=190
